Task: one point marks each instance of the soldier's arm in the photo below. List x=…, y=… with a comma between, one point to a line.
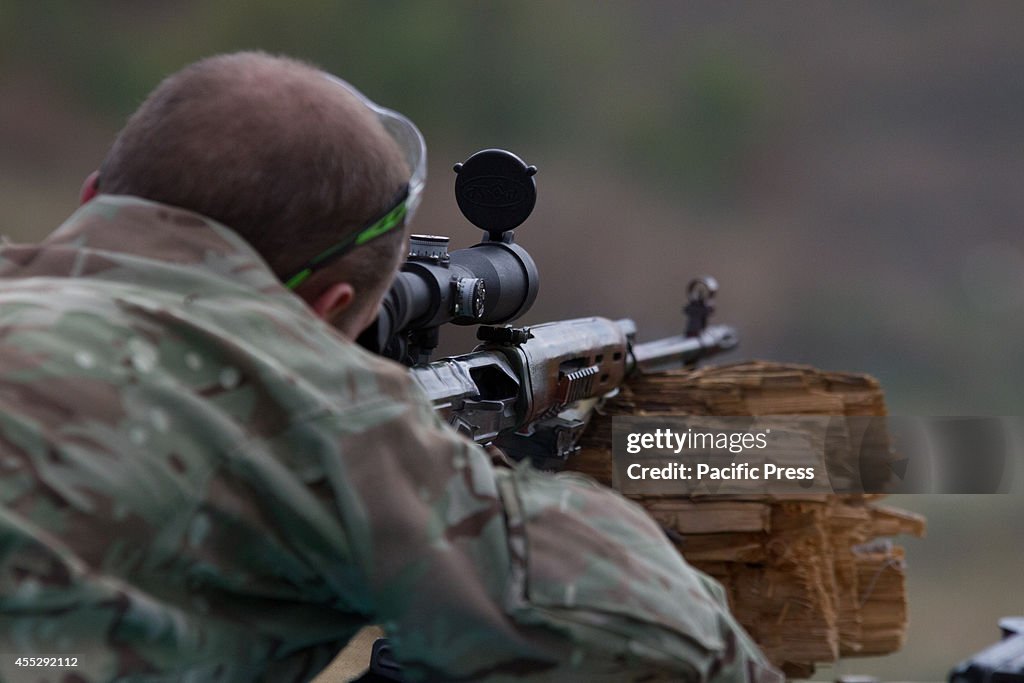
x=480, y=573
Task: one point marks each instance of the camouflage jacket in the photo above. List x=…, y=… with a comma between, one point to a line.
x=201, y=481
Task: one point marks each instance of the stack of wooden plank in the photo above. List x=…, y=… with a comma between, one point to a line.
x=806, y=574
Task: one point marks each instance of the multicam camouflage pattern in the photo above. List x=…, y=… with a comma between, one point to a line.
x=203, y=482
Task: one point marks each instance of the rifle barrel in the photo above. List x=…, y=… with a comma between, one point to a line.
x=680, y=351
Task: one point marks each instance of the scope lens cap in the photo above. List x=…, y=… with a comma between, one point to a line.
x=495, y=190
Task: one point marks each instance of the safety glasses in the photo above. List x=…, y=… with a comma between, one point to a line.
x=410, y=142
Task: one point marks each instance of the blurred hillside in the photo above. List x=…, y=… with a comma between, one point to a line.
x=847, y=171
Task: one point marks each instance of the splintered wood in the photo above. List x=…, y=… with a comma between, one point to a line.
x=805, y=575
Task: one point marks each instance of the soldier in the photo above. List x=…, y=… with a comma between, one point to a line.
x=203, y=478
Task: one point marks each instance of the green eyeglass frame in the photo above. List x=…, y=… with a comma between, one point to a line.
x=383, y=225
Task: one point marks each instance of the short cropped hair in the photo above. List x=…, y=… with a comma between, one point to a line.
x=272, y=148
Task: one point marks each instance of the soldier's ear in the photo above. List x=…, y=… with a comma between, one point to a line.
x=333, y=300
x=90, y=188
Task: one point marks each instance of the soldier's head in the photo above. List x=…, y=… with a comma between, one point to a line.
x=292, y=159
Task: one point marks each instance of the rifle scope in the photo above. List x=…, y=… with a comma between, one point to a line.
x=492, y=282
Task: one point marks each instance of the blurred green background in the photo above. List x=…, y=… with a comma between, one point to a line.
x=848, y=171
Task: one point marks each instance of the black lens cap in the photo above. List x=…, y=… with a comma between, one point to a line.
x=495, y=190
